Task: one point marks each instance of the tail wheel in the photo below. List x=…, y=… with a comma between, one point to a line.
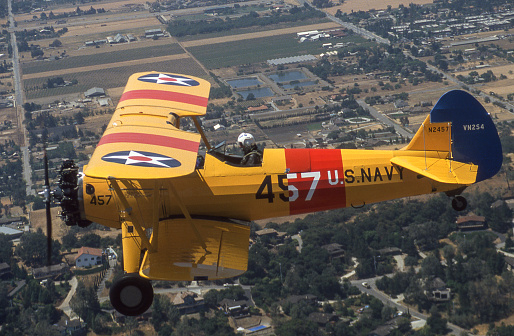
x=131, y=295
x=459, y=203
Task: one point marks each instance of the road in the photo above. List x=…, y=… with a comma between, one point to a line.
x=385, y=120
x=65, y=305
x=388, y=301
x=19, y=98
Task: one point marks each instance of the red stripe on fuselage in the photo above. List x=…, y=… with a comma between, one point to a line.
x=165, y=95
x=150, y=139
x=309, y=165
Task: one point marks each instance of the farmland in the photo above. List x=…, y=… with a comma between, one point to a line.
x=256, y=50
x=116, y=77
x=103, y=58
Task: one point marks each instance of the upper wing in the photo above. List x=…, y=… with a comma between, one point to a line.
x=141, y=140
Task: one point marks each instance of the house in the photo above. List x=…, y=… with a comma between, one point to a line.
x=5, y=271
x=70, y=327
x=386, y=328
x=49, y=271
x=271, y=233
x=260, y=108
x=400, y=104
x=11, y=233
x=88, y=256
x=294, y=299
x=510, y=263
x=189, y=303
x=436, y=290
x=322, y=318
x=390, y=251
x=235, y=308
x=471, y=222
x=335, y=250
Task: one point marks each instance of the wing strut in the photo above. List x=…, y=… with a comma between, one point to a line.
x=202, y=134
x=188, y=217
x=145, y=242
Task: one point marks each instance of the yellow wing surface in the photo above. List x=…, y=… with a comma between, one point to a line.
x=197, y=249
x=141, y=140
x=441, y=170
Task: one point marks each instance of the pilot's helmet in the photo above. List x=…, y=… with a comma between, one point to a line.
x=245, y=140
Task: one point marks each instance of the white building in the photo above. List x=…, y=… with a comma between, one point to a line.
x=88, y=256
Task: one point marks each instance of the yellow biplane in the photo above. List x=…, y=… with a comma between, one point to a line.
x=187, y=219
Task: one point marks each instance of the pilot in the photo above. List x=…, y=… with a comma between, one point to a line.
x=252, y=155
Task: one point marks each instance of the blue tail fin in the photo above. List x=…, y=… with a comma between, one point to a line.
x=474, y=136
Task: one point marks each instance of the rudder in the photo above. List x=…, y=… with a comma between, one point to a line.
x=472, y=137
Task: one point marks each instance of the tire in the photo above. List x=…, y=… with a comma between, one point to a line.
x=131, y=295
x=459, y=203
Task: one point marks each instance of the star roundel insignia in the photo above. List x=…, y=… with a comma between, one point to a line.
x=168, y=79
x=142, y=159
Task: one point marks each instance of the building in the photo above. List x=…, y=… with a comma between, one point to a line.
x=189, y=303
x=5, y=271
x=88, y=256
x=294, y=299
x=11, y=233
x=235, y=308
x=436, y=290
x=471, y=222
x=322, y=318
x=151, y=33
x=49, y=271
x=94, y=92
x=335, y=250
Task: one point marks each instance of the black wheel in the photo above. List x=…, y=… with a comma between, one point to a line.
x=131, y=295
x=459, y=203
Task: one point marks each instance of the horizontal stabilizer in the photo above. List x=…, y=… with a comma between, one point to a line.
x=197, y=249
x=441, y=170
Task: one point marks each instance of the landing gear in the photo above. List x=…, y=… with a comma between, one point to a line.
x=131, y=295
x=459, y=203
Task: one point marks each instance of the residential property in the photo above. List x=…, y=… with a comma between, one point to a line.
x=5, y=271
x=471, y=222
x=11, y=233
x=335, y=250
x=88, y=256
x=235, y=308
x=189, y=302
x=52, y=271
x=436, y=290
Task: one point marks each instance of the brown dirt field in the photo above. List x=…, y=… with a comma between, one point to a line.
x=107, y=5
x=38, y=220
x=364, y=5
x=112, y=26
x=105, y=66
x=275, y=32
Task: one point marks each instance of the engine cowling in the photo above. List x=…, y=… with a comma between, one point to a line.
x=69, y=194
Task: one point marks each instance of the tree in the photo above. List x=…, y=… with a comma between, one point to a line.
x=56, y=43
x=436, y=323
x=5, y=249
x=85, y=303
x=91, y=240
x=32, y=248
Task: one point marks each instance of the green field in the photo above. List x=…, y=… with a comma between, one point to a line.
x=252, y=30
x=259, y=50
x=115, y=77
x=103, y=58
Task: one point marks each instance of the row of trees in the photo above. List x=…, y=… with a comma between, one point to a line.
x=184, y=28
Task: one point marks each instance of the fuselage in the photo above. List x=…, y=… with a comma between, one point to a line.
x=289, y=182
